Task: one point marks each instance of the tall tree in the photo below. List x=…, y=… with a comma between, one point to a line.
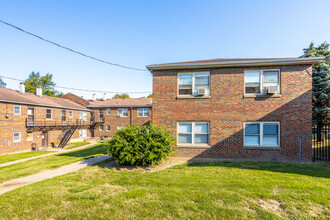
x=2, y=84
x=45, y=82
x=121, y=96
x=321, y=85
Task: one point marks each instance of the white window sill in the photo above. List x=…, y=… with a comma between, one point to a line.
x=206, y=146
x=193, y=97
x=262, y=147
x=262, y=96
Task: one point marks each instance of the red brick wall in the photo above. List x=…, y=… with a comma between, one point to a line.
x=228, y=109
x=115, y=121
x=16, y=123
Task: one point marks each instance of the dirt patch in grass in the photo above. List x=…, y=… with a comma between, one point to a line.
x=162, y=166
x=272, y=205
x=316, y=210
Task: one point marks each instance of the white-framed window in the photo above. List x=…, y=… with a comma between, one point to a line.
x=262, y=134
x=48, y=113
x=122, y=112
x=108, y=127
x=193, y=133
x=121, y=127
x=189, y=83
x=143, y=112
x=101, y=128
x=17, y=137
x=83, y=133
x=17, y=110
x=83, y=116
x=70, y=114
x=29, y=136
x=108, y=111
x=257, y=81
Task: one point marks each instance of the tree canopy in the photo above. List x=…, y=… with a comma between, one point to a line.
x=45, y=82
x=121, y=96
x=321, y=83
x=2, y=84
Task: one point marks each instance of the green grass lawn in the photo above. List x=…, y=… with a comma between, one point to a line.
x=222, y=190
x=51, y=162
x=18, y=156
x=77, y=144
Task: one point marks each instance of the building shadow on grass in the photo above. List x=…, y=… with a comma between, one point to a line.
x=321, y=169
x=97, y=149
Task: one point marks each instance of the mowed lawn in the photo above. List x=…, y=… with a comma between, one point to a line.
x=222, y=190
x=76, y=144
x=50, y=162
x=18, y=156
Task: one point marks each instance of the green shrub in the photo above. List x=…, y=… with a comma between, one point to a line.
x=141, y=145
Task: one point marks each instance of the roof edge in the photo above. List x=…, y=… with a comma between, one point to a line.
x=42, y=105
x=122, y=106
x=292, y=61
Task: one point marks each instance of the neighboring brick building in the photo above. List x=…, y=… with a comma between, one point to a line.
x=117, y=113
x=26, y=118
x=249, y=109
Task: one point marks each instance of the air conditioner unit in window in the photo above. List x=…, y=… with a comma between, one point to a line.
x=273, y=89
x=201, y=91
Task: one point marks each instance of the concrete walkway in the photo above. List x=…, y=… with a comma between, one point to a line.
x=16, y=183
x=58, y=151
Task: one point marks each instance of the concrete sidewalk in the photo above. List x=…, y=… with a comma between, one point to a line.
x=16, y=183
x=59, y=151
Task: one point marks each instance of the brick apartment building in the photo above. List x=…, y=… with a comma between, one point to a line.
x=118, y=113
x=254, y=109
x=27, y=119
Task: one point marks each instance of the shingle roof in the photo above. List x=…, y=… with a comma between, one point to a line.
x=13, y=96
x=130, y=102
x=222, y=60
x=232, y=62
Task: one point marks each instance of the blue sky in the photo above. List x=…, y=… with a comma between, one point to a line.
x=138, y=33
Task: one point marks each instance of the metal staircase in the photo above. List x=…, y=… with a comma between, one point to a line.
x=67, y=135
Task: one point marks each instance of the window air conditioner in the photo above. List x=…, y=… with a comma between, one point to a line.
x=201, y=92
x=273, y=89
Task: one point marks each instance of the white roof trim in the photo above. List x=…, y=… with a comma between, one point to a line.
x=289, y=61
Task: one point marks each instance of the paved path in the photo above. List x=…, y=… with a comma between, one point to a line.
x=16, y=183
x=59, y=151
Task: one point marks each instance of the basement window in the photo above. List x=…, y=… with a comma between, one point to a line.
x=17, y=137
x=101, y=128
x=262, y=134
x=193, y=133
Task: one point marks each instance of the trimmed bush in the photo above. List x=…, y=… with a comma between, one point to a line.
x=141, y=145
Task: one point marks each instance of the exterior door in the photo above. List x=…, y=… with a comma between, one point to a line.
x=30, y=116
x=44, y=137
x=63, y=116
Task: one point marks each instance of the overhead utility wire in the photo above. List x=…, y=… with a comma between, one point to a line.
x=71, y=50
x=86, y=90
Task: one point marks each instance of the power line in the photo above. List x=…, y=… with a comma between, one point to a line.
x=84, y=90
x=71, y=50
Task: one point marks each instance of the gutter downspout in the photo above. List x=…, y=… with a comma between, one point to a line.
x=131, y=116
